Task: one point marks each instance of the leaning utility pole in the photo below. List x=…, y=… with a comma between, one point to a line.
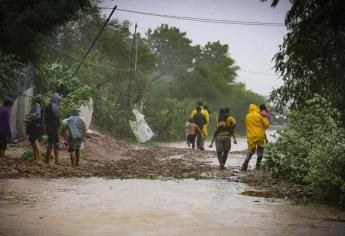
x=130, y=75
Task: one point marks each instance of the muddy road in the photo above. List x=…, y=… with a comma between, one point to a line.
x=127, y=189
x=95, y=206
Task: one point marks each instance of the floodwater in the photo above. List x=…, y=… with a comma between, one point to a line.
x=97, y=206
x=240, y=146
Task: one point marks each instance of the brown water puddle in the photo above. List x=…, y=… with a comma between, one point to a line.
x=95, y=206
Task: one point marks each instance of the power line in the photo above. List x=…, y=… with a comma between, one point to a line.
x=94, y=41
x=204, y=20
x=91, y=63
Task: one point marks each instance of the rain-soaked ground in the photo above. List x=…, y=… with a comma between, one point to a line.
x=175, y=204
x=95, y=206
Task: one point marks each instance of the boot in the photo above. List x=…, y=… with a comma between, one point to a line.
x=245, y=165
x=246, y=162
x=258, y=162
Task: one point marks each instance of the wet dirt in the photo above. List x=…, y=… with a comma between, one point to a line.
x=110, y=158
x=147, y=190
x=96, y=206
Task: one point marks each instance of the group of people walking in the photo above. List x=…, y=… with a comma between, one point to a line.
x=256, y=121
x=74, y=130
x=49, y=120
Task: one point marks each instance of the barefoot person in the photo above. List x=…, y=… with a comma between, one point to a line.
x=75, y=133
x=223, y=138
x=256, y=125
x=193, y=131
x=5, y=130
x=52, y=122
x=35, y=128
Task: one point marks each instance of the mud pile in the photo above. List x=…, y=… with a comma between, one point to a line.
x=110, y=158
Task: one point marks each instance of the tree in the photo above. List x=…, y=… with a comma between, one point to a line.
x=173, y=48
x=9, y=70
x=23, y=23
x=311, y=59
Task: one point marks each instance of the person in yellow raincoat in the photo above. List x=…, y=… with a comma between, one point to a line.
x=256, y=125
x=204, y=130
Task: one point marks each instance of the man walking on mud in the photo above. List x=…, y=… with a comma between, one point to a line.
x=75, y=133
x=204, y=127
x=256, y=125
x=52, y=121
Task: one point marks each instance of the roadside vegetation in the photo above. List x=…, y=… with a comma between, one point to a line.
x=172, y=74
x=310, y=151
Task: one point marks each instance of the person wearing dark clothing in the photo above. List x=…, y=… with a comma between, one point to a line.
x=200, y=120
x=52, y=123
x=35, y=128
x=5, y=130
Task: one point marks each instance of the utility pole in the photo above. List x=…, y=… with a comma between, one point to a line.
x=129, y=103
x=94, y=42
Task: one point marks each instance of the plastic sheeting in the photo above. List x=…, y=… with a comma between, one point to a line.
x=140, y=128
x=86, y=111
x=21, y=107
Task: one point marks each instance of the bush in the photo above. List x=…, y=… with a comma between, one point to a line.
x=28, y=155
x=311, y=151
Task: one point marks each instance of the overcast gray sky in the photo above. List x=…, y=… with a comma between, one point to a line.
x=252, y=47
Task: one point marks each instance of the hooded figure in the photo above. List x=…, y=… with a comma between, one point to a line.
x=52, y=122
x=256, y=125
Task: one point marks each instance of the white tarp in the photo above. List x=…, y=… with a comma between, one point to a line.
x=21, y=107
x=86, y=111
x=140, y=128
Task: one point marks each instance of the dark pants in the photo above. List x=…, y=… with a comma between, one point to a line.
x=191, y=140
x=200, y=141
x=260, y=152
x=3, y=142
x=223, y=146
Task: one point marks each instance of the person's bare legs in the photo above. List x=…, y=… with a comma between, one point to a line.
x=77, y=157
x=72, y=154
x=37, y=150
x=49, y=154
x=56, y=155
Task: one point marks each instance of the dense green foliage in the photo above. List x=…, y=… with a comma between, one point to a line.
x=311, y=59
x=24, y=23
x=57, y=78
x=171, y=76
x=311, y=151
x=9, y=70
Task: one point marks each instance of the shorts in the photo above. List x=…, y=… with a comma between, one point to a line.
x=191, y=138
x=34, y=133
x=74, y=144
x=3, y=142
x=53, y=140
x=223, y=143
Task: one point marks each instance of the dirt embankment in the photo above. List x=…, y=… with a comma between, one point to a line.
x=107, y=157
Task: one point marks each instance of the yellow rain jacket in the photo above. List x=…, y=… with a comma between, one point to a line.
x=207, y=117
x=256, y=125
